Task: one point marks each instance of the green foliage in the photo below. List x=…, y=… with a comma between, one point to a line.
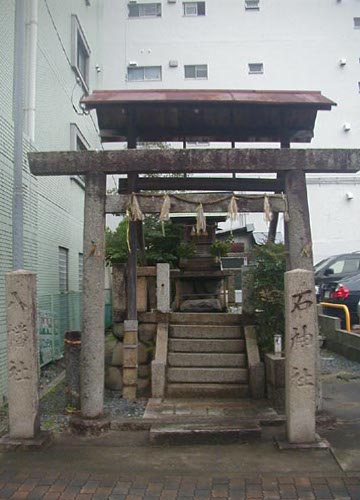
x=116, y=249
x=220, y=248
x=163, y=242
x=268, y=267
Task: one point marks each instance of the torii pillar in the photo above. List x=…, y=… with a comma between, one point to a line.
x=93, y=332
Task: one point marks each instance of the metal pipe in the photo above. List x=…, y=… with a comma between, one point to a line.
x=31, y=55
x=344, y=308
x=18, y=116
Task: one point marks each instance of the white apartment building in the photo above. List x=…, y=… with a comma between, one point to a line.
x=62, y=58
x=254, y=44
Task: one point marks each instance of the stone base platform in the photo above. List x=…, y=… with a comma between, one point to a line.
x=42, y=441
x=204, y=433
x=180, y=421
x=319, y=444
x=89, y=427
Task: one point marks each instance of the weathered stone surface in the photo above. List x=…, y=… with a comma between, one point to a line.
x=256, y=367
x=113, y=378
x=72, y=350
x=143, y=355
x=118, y=355
x=129, y=376
x=201, y=305
x=119, y=287
x=93, y=338
x=247, y=283
x=143, y=383
x=275, y=370
x=130, y=357
x=301, y=344
x=147, y=331
x=118, y=330
x=163, y=287
x=200, y=345
x=144, y=371
x=208, y=375
x=23, y=385
x=129, y=392
x=141, y=294
x=110, y=344
x=158, y=370
x=130, y=338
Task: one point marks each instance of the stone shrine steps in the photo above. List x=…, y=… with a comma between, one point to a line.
x=206, y=357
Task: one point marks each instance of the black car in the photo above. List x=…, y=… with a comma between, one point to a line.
x=347, y=292
x=329, y=272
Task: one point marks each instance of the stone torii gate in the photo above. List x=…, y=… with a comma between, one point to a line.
x=234, y=116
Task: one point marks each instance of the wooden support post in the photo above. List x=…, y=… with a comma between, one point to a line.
x=93, y=339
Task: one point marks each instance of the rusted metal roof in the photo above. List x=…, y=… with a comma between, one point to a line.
x=207, y=115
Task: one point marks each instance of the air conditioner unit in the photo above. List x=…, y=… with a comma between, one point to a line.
x=132, y=64
x=173, y=63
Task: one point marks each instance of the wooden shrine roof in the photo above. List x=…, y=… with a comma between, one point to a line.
x=207, y=115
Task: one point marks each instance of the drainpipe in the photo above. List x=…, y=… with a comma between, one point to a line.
x=31, y=56
x=18, y=116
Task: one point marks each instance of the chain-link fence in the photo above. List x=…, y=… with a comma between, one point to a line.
x=58, y=314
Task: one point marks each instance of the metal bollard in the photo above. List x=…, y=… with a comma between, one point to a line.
x=72, y=350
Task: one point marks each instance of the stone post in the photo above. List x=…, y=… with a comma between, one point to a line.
x=298, y=241
x=163, y=287
x=300, y=356
x=23, y=369
x=247, y=283
x=93, y=332
x=130, y=362
x=72, y=350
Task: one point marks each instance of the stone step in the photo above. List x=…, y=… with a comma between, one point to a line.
x=204, y=345
x=205, y=319
x=208, y=375
x=206, y=331
x=220, y=391
x=207, y=359
x=205, y=433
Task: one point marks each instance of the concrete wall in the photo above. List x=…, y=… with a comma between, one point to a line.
x=53, y=210
x=300, y=43
x=338, y=340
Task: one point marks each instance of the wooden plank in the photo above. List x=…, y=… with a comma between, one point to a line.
x=188, y=202
x=195, y=161
x=201, y=184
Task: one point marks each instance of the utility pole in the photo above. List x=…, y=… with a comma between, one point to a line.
x=18, y=117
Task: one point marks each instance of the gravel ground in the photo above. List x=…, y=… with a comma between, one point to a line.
x=332, y=363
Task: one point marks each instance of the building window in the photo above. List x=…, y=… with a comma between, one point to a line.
x=256, y=68
x=194, y=9
x=252, y=4
x=357, y=23
x=144, y=73
x=78, y=143
x=196, y=71
x=80, y=53
x=144, y=9
x=63, y=270
x=81, y=268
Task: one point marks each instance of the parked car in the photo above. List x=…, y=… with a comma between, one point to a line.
x=347, y=292
x=329, y=272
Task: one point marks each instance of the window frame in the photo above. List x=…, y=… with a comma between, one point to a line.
x=64, y=251
x=252, y=5
x=196, y=67
x=256, y=72
x=144, y=79
x=77, y=34
x=196, y=4
x=75, y=136
x=357, y=23
x=142, y=5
